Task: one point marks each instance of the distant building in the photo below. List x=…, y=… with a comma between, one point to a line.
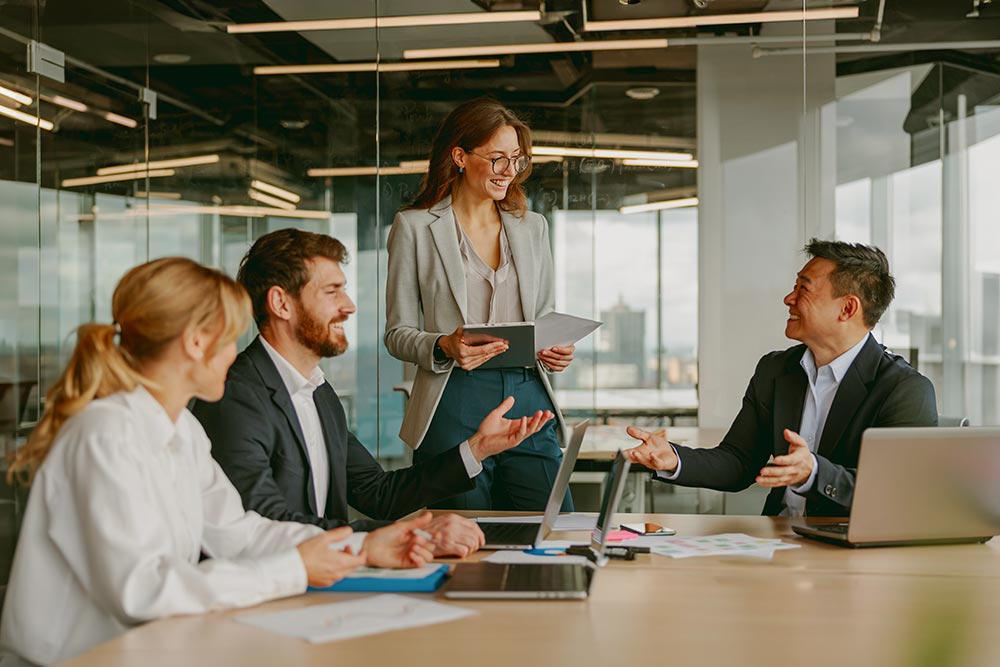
x=624, y=343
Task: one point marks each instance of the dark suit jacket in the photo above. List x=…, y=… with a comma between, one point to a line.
x=257, y=439
x=879, y=390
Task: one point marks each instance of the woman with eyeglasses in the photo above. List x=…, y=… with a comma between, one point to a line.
x=467, y=251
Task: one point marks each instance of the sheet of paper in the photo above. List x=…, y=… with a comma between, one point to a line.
x=561, y=329
x=355, y=618
x=558, y=557
x=390, y=573
x=728, y=544
x=645, y=541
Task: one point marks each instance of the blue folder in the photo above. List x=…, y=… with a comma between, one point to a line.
x=389, y=584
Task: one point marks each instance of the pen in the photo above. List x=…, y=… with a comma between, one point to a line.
x=424, y=534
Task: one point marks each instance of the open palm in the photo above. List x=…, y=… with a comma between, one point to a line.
x=497, y=433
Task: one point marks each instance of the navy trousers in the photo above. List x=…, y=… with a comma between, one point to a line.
x=519, y=479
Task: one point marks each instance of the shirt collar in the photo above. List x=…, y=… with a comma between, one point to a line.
x=156, y=427
x=838, y=366
x=293, y=379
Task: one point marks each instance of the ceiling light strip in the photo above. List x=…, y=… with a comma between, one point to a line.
x=275, y=190
x=94, y=180
x=270, y=201
x=366, y=171
x=26, y=118
x=387, y=22
x=610, y=153
x=723, y=19
x=683, y=164
x=659, y=205
x=20, y=98
x=551, y=47
x=159, y=164
x=120, y=120
x=68, y=103
x=332, y=68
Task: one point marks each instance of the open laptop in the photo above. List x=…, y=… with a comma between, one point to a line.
x=555, y=581
x=921, y=486
x=526, y=535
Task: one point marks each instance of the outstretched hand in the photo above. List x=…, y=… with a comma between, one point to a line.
x=497, y=433
x=791, y=469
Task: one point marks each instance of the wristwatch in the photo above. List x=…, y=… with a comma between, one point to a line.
x=439, y=355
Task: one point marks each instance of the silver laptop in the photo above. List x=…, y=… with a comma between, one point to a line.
x=552, y=581
x=921, y=486
x=526, y=535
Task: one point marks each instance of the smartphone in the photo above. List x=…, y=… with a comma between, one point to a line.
x=648, y=529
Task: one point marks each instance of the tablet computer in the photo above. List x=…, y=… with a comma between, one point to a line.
x=520, y=337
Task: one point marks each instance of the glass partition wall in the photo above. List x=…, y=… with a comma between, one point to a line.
x=684, y=152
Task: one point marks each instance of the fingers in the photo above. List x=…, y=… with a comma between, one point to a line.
x=502, y=409
x=337, y=534
x=794, y=438
x=638, y=433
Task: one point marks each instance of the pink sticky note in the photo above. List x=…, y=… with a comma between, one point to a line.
x=621, y=535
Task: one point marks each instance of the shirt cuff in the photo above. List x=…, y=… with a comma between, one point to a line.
x=472, y=466
x=805, y=487
x=671, y=476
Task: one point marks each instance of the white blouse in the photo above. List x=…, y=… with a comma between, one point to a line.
x=117, y=517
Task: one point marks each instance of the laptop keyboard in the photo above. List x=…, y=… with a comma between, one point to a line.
x=532, y=577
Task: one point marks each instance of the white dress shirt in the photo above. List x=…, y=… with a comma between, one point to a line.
x=490, y=296
x=823, y=385
x=117, y=517
x=301, y=389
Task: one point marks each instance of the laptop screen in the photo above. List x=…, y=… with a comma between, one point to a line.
x=614, y=485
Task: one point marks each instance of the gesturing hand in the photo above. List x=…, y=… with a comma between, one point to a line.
x=791, y=469
x=325, y=565
x=398, y=546
x=497, y=434
x=469, y=355
x=655, y=452
x=455, y=535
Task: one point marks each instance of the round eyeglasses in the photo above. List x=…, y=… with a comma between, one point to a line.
x=502, y=163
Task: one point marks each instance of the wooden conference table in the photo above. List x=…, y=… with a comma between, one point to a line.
x=817, y=605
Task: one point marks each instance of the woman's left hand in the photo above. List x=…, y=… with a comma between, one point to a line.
x=557, y=358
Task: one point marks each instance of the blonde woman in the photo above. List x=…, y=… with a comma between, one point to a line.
x=125, y=496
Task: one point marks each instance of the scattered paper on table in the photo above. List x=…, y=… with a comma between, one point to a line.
x=556, y=555
x=728, y=544
x=645, y=541
x=355, y=618
x=392, y=573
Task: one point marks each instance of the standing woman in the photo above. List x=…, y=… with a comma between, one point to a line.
x=468, y=251
x=125, y=496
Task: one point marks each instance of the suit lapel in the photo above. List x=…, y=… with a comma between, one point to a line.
x=446, y=240
x=789, y=399
x=524, y=261
x=279, y=396
x=851, y=393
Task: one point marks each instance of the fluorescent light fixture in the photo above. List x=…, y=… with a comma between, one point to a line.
x=684, y=164
x=548, y=47
x=142, y=194
x=387, y=22
x=68, y=103
x=367, y=171
x=270, y=201
x=659, y=205
x=425, y=164
x=26, y=118
x=723, y=19
x=159, y=164
x=120, y=120
x=16, y=96
x=4, y=141
x=611, y=153
x=133, y=176
x=275, y=190
x=415, y=66
x=164, y=210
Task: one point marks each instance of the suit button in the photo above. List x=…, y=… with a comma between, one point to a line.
x=830, y=491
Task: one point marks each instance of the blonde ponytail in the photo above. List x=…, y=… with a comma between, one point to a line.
x=153, y=304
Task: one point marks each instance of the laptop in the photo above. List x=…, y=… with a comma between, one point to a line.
x=534, y=581
x=522, y=536
x=921, y=486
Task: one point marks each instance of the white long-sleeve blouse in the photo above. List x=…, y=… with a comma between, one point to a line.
x=117, y=518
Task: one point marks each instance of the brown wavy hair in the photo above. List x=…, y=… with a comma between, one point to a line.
x=153, y=304
x=469, y=126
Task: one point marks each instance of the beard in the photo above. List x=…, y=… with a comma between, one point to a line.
x=315, y=336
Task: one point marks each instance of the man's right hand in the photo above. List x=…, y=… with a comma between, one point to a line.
x=655, y=452
x=497, y=434
x=325, y=565
x=469, y=356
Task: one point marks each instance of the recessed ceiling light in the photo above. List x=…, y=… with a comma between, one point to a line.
x=295, y=124
x=171, y=58
x=642, y=92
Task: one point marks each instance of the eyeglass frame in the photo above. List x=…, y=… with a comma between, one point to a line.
x=510, y=161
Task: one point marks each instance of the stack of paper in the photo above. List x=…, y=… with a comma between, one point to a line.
x=357, y=618
x=728, y=544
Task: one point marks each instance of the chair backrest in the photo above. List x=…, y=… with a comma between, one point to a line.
x=952, y=421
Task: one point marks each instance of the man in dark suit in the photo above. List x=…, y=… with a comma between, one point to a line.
x=280, y=432
x=808, y=406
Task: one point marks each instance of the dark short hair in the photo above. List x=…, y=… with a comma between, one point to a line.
x=862, y=270
x=281, y=259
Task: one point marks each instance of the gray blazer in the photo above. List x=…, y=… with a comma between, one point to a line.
x=426, y=297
